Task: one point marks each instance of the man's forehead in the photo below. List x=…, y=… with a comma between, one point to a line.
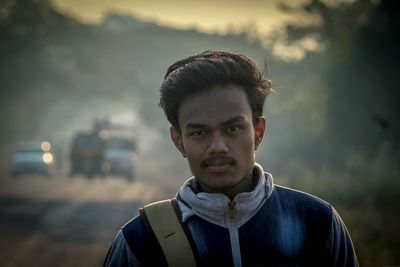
x=215, y=106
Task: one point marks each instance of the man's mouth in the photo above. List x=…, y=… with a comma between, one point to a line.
x=218, y=164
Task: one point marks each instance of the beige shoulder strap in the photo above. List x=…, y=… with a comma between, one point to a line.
x=170, y=234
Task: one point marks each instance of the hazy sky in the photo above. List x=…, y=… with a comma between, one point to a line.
x=206, y=15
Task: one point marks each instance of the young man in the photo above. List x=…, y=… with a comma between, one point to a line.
x=233, y=213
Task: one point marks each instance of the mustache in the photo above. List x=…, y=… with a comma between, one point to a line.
x=218, y=160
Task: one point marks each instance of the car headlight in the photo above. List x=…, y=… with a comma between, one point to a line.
x=45, y=146
x=47, y=158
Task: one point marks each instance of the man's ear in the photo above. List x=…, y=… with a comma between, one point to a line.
x=176, y=136
x=259, y=131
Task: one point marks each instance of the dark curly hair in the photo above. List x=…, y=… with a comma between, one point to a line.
x=204, y=71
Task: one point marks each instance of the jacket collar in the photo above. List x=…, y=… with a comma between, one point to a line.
x=217, y=208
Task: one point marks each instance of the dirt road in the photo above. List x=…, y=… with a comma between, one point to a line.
x=66, y=221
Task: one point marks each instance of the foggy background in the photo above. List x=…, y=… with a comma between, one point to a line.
x=333, y=123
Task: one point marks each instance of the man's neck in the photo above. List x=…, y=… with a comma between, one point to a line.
x=246, y=185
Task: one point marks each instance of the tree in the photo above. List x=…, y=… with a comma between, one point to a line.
x=360, y=66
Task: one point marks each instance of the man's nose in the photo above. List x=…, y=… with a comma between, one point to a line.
x=217, y=145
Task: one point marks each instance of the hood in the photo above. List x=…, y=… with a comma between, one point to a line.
x=218, y=208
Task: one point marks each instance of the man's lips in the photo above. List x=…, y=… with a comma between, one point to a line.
x=218, y=164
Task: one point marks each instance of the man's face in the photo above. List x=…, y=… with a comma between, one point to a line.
x=218, y=138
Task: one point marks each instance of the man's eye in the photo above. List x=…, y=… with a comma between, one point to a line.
x=197, y=133
x=233, y=129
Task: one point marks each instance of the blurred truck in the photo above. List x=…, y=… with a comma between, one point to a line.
x=108, y=150
x=86, y=154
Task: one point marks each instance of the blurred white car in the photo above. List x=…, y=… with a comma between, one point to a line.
x=119, y=158
x=32, y=157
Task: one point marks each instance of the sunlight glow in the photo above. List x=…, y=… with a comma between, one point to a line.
x=207, y=16
x=297, y=50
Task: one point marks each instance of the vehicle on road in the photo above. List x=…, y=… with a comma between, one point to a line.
x=86, y=154
x=33, y=158
x=119, y=157
x=107, y=150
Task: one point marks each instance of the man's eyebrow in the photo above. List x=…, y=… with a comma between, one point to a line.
x=236, y=119
x=196, y=125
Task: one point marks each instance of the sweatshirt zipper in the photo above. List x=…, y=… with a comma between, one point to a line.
x=232, y=210
x=234, y=234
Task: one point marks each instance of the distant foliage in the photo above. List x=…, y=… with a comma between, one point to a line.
x=359, y=151
x=359, y=67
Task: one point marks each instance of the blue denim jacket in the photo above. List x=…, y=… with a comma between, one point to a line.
x=269, y=226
